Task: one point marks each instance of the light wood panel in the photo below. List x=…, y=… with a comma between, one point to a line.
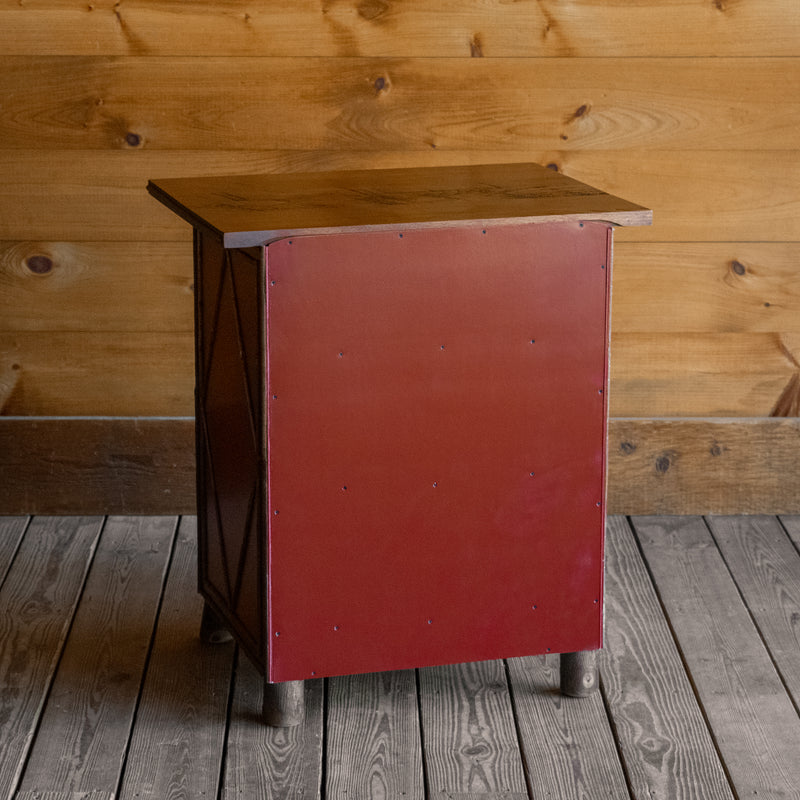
x=696, y=196
x=684, y=106
x=402, y=27
x=193, y=103
x=97, y=286
x=706, y=287
x=118, y=373
x=145, y=373
x=676, y=287
x=701, y=375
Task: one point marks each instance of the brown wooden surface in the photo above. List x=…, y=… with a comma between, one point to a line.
x=704, y=466
x=691, y=705
x=471, y=745
x=576, y=104
x=132, y=466
x=568, y=743
x=756, y=725
x=114, y=465
x=36, y=606
x=660, y=728
x=79, y=286
x=254, y=209
x=177, y=742
x=414, y=27
x=373, y=746
x=683, y=107
x=92, y=702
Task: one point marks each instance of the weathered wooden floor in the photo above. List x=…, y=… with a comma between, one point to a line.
x=106, y=691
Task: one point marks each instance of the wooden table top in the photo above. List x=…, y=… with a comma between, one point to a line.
x=250, y=210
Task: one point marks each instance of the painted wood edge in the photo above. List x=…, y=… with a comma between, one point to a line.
x=145, y=465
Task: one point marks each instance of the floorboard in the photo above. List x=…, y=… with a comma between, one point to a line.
x=766, y=567
x=266, y=763
x=86, y=723
x=36, y=605
x=567, y=743
x=471, y=744
x=755, y=725
x=373, y=737
x=179, y=733
x=12, y=530
x=666, y=747
x=107, y=693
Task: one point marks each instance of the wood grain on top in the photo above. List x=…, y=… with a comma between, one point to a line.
x=253, y=209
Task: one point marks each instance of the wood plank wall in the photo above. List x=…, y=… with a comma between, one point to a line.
x=688, y=106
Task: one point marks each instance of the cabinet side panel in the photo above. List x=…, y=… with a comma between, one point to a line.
x=230, y=437
x=436, y=446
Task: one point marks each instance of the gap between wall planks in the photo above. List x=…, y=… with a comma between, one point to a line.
x=146, y=465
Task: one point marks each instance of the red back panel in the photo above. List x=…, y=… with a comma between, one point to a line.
x=436, y=436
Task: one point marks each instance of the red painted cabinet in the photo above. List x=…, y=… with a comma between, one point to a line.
x=401, y=412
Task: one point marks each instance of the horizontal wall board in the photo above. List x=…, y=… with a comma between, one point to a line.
x=151, y=373
x=146, y=466
x=488, y=28
x=134, y=465
x=66, y=195
x=207, y=102
x=706, y=287
x=680, y=287
x=90, y=373
x=708, y=375
x=702, y=466
x=95, y=286
x=699, y=196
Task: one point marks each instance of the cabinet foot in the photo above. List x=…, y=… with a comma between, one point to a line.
x=284, y=704
x=579, y=673
x=212, y=628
